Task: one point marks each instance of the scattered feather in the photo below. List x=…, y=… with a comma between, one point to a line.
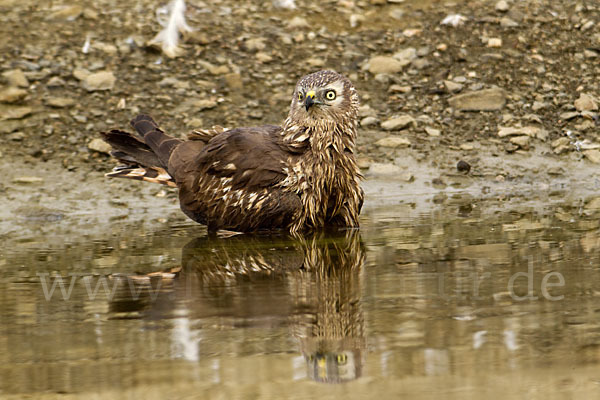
x=285, y=4
x=172, y=19
x=454, y=20
x=86, y=46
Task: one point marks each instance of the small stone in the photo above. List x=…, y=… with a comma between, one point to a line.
x=69, y=13
x=563, y=141
x=406, y=56
x=16, y=136
x=16, y=77
x=467, y=146
x=420, y=63
x=368, y=121
x=384, y=65
x=569, y=115
x=104, y=80
x=432, y=131
x=592, y=155
x=214, y=69
x=384, y=169
x=195, y=123
x=100, y=146
x=506, y=22
x=585, y=102
x=393, y=142
x=27, y=179
x=453, y=87
x=398, y=123
x=255, y=44
x=400, y=89
x=234, y=81
x=531, y=131
x=537, y=106
x=12, y=95
x=502, y=6
x=481, y=100
x=204, y=104
x=298, y=22
x=494, y=42
x=521, y=141
x=55, y=81
x=60, y=102
x=81, y=73
x=463, y=166
x=14, y=112
x=407, y=177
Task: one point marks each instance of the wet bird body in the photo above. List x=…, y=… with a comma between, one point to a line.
x=300, y=176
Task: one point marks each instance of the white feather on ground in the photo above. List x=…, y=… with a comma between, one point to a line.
x=172, y=19
x=284, y=4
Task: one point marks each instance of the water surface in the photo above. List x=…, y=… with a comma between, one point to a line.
x=466, y=300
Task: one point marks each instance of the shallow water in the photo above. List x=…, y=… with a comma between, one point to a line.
x=467, y=300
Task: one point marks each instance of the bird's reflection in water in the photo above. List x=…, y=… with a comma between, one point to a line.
x=310, y=283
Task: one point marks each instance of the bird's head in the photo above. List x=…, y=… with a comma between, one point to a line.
x=324, y=99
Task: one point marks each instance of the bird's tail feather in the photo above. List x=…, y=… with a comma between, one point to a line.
x=145, y=157
x=148, y=174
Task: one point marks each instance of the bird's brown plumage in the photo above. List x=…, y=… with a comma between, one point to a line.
x=299, y=176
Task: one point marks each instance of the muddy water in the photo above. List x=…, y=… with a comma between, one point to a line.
x=465, y=301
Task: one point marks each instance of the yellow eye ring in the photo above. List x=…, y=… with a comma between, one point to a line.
x=300, y=96
x=330, y=95
x=342, y=359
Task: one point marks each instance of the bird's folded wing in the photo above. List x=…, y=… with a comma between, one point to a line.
x=252, y=158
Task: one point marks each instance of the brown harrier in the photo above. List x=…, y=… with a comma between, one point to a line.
x=299, y=176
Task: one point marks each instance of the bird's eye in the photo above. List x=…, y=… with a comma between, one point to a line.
x=330, y=95
x=341, y=358
x=300, y=96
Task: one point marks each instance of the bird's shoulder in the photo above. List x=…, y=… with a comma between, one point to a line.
x=252, y=157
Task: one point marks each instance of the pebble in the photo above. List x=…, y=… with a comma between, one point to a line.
x=400, y=89
x=432, y=131
x=384, y=65
x=60, y=102
x=398, y=123
x=234, y=81
x=585, y=102
x=393, y=142
x=100, y=146
x=104, y=80
x=384, y=169
x=407, y=177
x=69, y=13
x=569, y=115
x=501, y=6
x=368, y=121
x=494, y=42
x=506, y=22
x=521, y=141
x=531, y=131
x=27, y=179
x=55, y=82
x=453, y=87
x=463, y=166
x=16, y=77
x=537, y=106
x=592, y=155
x=12, y=94
x=298, y=22
x=14, y=112
x=481, y=100
x=406, y=56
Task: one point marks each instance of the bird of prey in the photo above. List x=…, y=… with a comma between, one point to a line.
x=300, y=176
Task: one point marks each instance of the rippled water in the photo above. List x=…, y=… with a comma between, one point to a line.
x=466, y=301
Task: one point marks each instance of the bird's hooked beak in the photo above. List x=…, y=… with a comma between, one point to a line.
x=310, y=100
